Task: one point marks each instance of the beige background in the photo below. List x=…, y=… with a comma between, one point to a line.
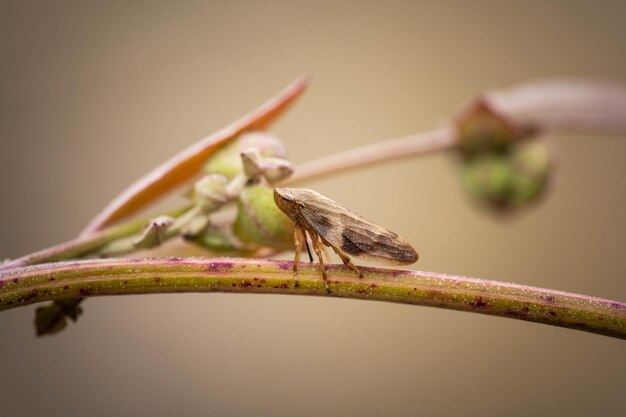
x=93, y=94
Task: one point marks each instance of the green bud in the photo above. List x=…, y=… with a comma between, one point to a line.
x=272, y=169
x=508, y=180
x=251, y=162
x=481, y=130
x=210, y=191
x=531, y=162
x=260, y=222
x=268, y=145
x=227, y=160
x=532, y=158
x=488, y=177
x=214, y=239
x=196, y=226
x=525, y=189
x=153, y=233
x=501, y=165
x=276, y=169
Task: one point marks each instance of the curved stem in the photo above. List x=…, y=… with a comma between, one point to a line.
x=83, y=245
x=22, y=286
x=423, y=143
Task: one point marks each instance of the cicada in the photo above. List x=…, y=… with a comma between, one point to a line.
x=327, y=223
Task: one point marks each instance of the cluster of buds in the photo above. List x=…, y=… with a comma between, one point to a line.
x=238, y=178
x=273, y=170
x=504, y=166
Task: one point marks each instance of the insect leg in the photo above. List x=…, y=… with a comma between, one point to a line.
x=322, y=246
x=299, y=240
x=346, y=260
x=308, y=250
x=315, y=241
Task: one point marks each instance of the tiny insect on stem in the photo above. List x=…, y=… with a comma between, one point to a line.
x=328, y=224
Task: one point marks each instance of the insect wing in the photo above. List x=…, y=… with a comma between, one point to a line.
x=354, y=235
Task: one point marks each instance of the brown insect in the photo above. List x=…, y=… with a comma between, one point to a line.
x=326, y=222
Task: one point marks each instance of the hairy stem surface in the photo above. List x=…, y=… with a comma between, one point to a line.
x=45, y=282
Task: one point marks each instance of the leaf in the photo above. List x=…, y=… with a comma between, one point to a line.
x=186, y=164
x=52, y=318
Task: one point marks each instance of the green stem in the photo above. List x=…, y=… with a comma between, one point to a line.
x=83, y=245
x=27, y=285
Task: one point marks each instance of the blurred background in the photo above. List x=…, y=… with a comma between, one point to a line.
x=94, y=94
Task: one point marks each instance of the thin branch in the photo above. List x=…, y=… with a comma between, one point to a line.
x=408, y=146
x=83, y=245
x=23, y=286
x=559, y=105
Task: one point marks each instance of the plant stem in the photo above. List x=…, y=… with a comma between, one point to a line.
x=565, y=106
x=27, y=285
x=423, y=143
x=83, y=245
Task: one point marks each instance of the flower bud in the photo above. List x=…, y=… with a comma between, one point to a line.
x=196, y=226
x=251, y=162
x=260, y=222
x=268, y=145
x=488, y=178
x=482, y=129
x=210, y=191
x=214, y=239
x=508, y=180
x=532, y=165
x=501, y=165
x=275, y=169
x=153, y=233
x=272, y=169
x=227, y=160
